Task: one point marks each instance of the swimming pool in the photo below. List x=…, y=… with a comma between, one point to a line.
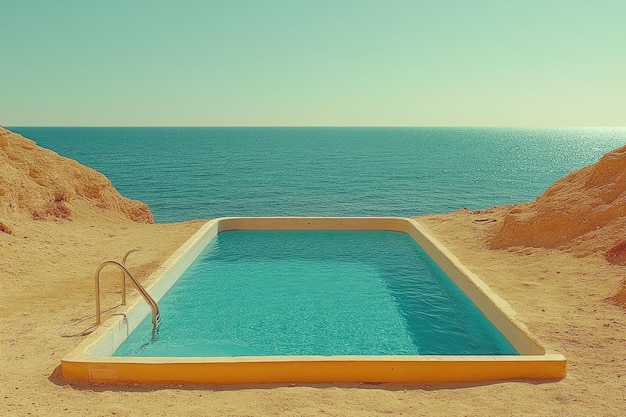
x=328, y=296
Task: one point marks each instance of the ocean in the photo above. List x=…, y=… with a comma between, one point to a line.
x=186, y=173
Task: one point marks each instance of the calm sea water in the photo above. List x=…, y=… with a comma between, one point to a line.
x=258, y=293
x=188, y=173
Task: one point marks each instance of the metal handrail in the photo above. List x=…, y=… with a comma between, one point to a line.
x=156, y=316
x=123, y=282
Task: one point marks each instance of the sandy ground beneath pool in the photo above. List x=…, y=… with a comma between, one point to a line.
x=47, y=263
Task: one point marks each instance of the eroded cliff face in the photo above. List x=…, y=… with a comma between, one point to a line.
x=38, y=184
x=583, y=213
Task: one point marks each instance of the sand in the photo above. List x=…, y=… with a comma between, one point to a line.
x=566, y=292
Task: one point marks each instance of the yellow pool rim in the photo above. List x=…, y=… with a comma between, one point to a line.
x=92, y=361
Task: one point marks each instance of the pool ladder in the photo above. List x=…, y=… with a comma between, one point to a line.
x=156, y=316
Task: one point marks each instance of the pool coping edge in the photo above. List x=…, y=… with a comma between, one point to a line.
x=86, y=361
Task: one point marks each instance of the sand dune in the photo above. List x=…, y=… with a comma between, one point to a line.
x=556, y=261
x=583, y=213
x=38, y=183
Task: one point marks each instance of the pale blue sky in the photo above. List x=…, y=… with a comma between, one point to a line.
x=308, y=63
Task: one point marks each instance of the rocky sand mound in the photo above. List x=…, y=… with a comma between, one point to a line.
x=582, y=213
x=39, y=184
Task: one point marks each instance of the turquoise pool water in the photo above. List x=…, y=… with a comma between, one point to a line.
x=274, y=293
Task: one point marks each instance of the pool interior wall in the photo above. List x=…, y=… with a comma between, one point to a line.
x=92, y=360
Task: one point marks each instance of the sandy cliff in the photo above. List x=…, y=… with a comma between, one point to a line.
x=37, y=183
x=582, y=213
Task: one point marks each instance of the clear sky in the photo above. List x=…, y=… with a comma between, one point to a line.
x=315, y=62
